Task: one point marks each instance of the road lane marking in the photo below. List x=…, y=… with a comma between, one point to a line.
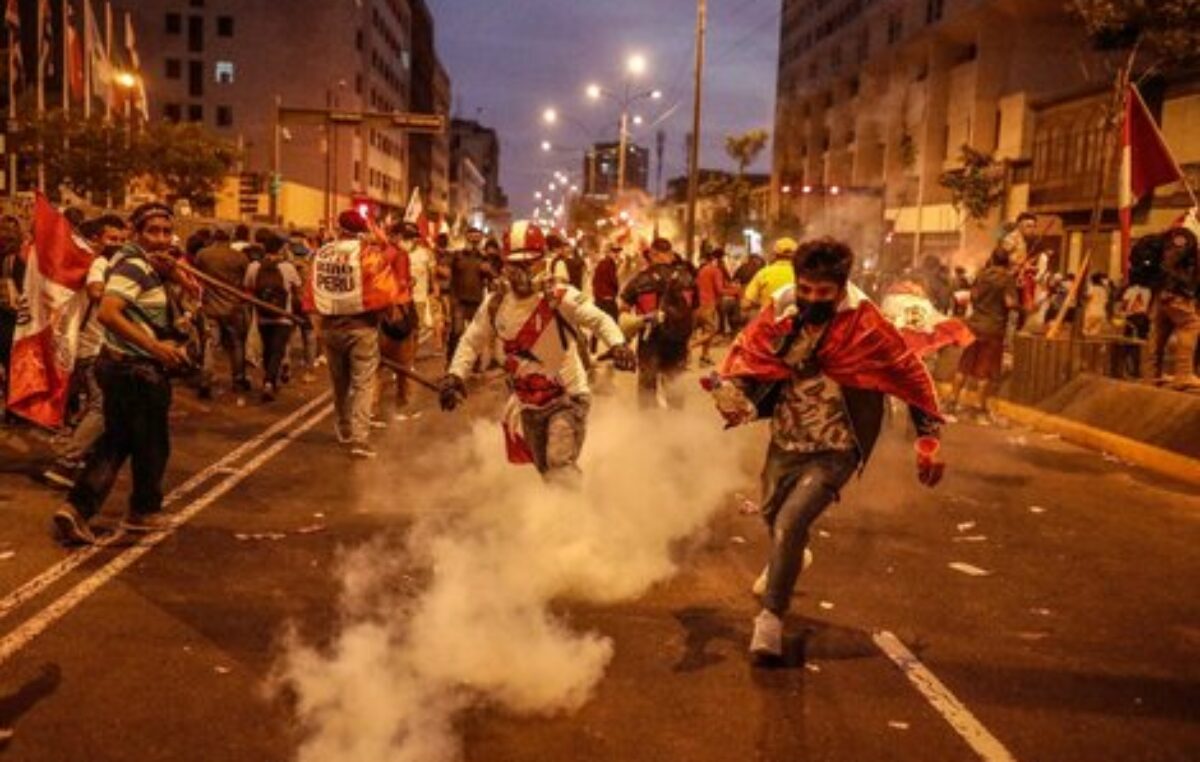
x=57, y=571
x=57, y=609
x=969, y=569
x=986, y=745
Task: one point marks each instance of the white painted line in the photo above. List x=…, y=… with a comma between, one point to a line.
x=986, y=745
x=968, y=569
x=38, y=623
x=57, y=571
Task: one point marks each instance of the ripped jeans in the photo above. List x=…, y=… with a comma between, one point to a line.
x=797, y=488
x=555, y=434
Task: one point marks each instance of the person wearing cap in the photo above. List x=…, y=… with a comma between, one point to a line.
x=140, y=350
x=776, y=275
x=538, y=322
x=353, y=282
x=661, y=299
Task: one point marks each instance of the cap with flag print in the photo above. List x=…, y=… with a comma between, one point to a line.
x=1146, y=163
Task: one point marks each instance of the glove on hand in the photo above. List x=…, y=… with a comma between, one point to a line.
x=451, y=392
x=624, y=358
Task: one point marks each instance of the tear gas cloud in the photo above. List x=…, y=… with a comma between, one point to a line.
x=459, y=615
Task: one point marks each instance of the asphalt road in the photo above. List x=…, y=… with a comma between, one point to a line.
x=1077, y=639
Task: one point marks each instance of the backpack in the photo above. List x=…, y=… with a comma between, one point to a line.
x=576, y=268
x=269, y=285
x=678, y=318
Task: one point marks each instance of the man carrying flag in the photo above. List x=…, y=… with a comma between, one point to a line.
x=1146, y=163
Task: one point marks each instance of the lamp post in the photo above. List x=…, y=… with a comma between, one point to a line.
x=635, y=66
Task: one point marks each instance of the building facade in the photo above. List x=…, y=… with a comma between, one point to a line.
x=475, y=160
x=601, y=168
x=876, y=99
x=228, y=63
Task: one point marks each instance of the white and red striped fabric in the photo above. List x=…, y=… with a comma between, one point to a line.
x=47, y=335
x=1146, y=163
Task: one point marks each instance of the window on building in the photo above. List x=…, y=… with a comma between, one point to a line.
x=196, y=3
x=895, y=28
x=174, y=68
x=196, y=79
x=195, y=34
x=172, y=112
x=864, y=44
x=224, y=26
x=224, y=116
x=358, y=40
x=224, y=72
x=195, y=113
x=174, y=23
x=933, y=10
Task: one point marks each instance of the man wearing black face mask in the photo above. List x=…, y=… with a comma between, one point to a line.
x=818, y=361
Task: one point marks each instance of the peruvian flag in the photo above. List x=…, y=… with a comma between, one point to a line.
x=1146, y=163
x=924, y=328
x=415, y=213
x=44, y=344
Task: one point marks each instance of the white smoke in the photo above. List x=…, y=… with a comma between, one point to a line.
x=460, y=616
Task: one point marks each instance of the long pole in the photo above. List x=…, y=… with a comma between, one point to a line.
x=12, y=113
x=42, y=56
x=694, y=149
x=276, y=158
x=66, y=58
x=87, y=59
x=108, y=57
x=623, y=143
x=328, y=159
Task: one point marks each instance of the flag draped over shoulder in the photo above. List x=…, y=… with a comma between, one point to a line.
x=47, y=334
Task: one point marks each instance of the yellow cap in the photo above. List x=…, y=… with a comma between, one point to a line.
x=786, y=245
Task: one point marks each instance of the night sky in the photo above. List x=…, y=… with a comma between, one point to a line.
x=510, y=59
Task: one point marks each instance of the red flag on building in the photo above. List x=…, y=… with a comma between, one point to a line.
x=1146, y=163
x=46, y=339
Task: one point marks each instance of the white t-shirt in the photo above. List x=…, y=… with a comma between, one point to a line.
x=91, y=336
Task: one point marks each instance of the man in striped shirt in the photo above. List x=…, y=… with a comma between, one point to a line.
x=132, y=370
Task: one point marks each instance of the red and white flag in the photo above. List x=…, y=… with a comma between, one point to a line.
x=47, y=335
x=1146, y=163
x=75, y=73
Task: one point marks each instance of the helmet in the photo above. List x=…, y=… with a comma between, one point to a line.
x=524, y=242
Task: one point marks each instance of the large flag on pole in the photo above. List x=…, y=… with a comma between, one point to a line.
x=16, y=65
x=97, y=52
x=46, y=339
x=74, y=54
x=135, y=63
x=1146, y=163
x=45, y=39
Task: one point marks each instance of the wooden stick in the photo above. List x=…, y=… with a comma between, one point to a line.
x=236, y=292
x=412, y=374
x=1069, y=302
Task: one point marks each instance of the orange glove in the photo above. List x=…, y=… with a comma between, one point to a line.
x=930, y=468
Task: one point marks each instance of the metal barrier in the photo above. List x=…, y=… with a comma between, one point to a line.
x=1042, y=366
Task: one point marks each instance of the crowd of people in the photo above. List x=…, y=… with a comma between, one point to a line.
x=808, y=349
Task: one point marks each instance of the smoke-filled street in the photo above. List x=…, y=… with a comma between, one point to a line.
x=1037, y=606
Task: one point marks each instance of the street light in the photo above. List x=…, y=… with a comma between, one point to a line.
x=636, y=64
x=550, y=116
x=537, y=195
x=546, y=145
x=594, y=92
x=125, y=79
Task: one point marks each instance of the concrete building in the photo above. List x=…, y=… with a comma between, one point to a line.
x=226, y=63
x=876, y=99
x=429, y=155
x=601, y=169
x=475, y=192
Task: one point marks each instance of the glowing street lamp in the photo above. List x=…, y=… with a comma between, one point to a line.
x=546, y=146
x=537, y=195
x=636, y=64
x=125, y=79
x=593, y=91
x=550, y=116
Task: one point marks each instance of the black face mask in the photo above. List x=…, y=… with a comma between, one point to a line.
x=816, y=313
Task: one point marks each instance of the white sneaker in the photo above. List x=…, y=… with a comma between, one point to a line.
x=767, y=641
x=760, y=584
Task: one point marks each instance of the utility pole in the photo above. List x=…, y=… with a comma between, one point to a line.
x=660, y=142
x=622, y=144
x=694, y=153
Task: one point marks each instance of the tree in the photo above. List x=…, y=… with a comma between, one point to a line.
x=745, y=148
x=186, y=161
x=978, y=186
x=1168, y=30
x=87, y=155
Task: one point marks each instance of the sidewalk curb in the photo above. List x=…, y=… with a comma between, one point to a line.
x=1165, y=462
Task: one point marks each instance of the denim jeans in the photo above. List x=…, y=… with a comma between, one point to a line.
x=137, y=398
x=353, y=355
x=91, y=426
x=275, y=338
x=797, y=488
x=660, y=359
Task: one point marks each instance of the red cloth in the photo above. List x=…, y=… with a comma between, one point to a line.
x=861, y=350
x=710, y=284
x=605, y=284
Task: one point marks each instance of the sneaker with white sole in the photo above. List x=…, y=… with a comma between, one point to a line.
x=760, y=584
x=363, y=451
x=145, y=523
x=71, y=528
x=342, y=433
x=766, y=645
